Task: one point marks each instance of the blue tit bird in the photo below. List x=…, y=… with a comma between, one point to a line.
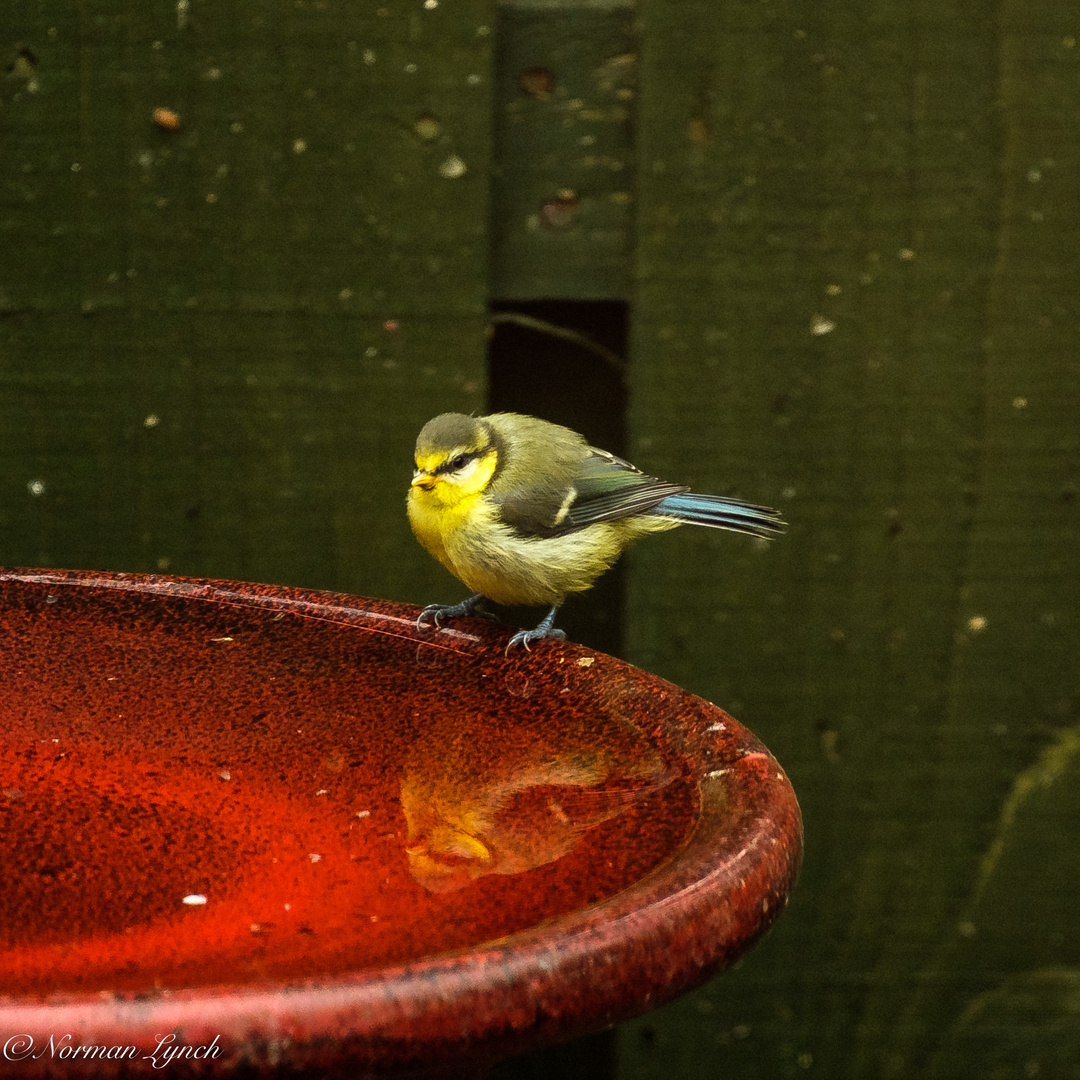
x=524, y=511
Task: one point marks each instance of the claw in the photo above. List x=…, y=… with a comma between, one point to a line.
x=434, y=610
x=546, y=629
x=449, y=611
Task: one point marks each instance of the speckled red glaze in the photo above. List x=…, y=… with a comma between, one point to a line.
x=414, y=850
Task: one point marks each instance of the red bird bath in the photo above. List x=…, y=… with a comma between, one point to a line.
x=254, y=829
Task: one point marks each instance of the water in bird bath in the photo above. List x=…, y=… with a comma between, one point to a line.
x=199, y=786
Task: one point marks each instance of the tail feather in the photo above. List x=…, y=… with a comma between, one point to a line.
x=718, y=512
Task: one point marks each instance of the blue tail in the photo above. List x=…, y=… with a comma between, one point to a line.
x=717, y=512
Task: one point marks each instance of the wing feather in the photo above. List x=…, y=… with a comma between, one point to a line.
x=579, y=486
x=603, y=488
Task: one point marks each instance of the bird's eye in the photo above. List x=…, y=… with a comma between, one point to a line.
x=458, y=462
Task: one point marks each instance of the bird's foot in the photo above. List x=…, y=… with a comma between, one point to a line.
x=546, y=629
x=452, y=611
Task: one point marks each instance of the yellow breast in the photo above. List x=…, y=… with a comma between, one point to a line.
x=435, y=522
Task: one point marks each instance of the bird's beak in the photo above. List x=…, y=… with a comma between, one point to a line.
x=423, y=480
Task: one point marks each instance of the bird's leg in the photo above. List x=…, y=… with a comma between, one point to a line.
x=452, y=611
x=546, y=629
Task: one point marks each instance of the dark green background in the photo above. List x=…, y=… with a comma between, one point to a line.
x=847, y=235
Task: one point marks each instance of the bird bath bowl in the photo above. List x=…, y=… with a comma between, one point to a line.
x=247, y=828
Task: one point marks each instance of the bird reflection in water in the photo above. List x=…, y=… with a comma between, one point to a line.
x=479, y=801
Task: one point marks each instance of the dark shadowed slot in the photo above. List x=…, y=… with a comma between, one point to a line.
x=564, y=361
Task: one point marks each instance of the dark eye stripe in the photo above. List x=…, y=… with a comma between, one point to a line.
x=458, y=461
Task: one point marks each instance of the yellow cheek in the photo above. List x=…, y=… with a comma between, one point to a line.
x=478, y=474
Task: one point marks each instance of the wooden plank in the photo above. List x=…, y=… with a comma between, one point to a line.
x=843, y=295
x=292, y=281
x=562, y=185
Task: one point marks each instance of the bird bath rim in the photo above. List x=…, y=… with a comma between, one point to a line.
x=684, y=920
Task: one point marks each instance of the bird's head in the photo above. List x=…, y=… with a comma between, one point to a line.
x=456, y=456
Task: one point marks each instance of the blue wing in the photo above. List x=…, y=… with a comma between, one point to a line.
x=601, y=487
x=609, y=488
